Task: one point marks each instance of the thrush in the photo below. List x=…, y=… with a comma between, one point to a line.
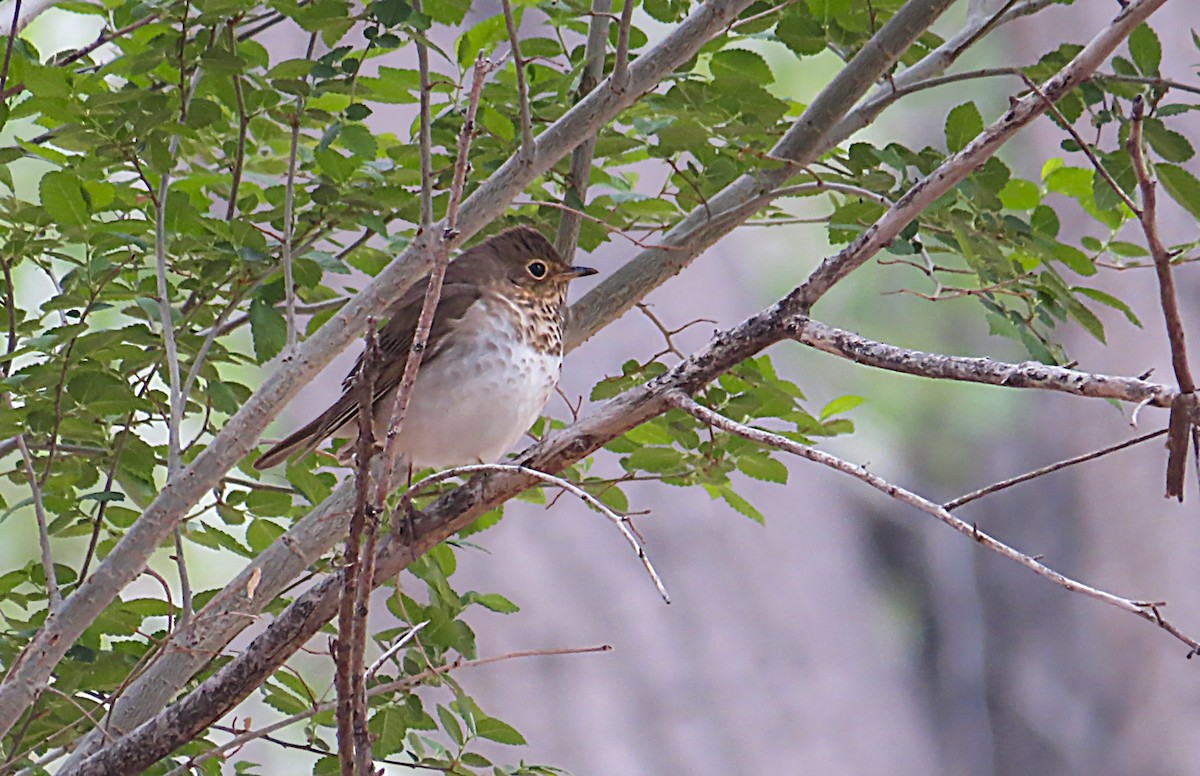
x=492, y=360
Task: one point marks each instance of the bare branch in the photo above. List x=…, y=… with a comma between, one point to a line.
x=620, y=521
x=8, y=48
x=995, y=487
x=1184, y=407
x=1147, y=610
x=1029, y=374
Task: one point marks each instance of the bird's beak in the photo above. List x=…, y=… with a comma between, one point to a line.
x=579, y=272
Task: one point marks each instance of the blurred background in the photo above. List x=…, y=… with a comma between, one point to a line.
x=852, y=635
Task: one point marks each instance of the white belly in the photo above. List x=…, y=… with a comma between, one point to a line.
x=474, y=403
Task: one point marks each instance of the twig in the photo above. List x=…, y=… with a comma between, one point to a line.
x=239, y=157
x=104, y=38
x=620, y=73
x=39, y=511
x=400, y=642
x=953, y=504
x=289, y=207
x=1147, y=610
x=1083, y=146
x=567, y=238
x=8, y=48
x=389, y=688
x=424, y=132
x=528, y=149
x=441, y=258
x=621, y=521
x=1183, y=408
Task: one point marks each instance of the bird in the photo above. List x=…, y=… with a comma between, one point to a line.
x=492, y=360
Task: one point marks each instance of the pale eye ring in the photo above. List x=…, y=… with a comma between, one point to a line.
x=537, y=269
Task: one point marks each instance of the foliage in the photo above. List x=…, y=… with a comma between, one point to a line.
x=177, y=138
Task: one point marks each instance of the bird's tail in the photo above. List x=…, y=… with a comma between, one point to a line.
x=306, y=439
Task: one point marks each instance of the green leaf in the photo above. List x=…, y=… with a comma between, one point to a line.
x=1109, y=300
x=839, y=405
x=493, y=601
x=63, y=198
x=1145, y=49
x=1182, y=186
x=268, y=329
x=1019, y=194
x=762, y=466
x=962, y=125
x=500, y=732
x=742, y=506
x=1170, y=145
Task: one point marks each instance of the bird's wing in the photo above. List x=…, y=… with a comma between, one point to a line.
x=395, y=341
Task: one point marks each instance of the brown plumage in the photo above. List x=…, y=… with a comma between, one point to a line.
x=501, y=300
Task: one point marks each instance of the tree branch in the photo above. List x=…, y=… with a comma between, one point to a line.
x=1147, y=610
x=579, y=175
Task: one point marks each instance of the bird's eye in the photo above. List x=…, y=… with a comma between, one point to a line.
x=537, y=269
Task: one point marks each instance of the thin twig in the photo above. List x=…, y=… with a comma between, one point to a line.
x=289, y=207
x=621, y=521
x=8, y=48
x=433, y=293
x=953, y=504
x=1083, y=146
x=39, y=510
x=104, y=38
x=1147, y=610
x=239, y=157
x=528, y=149
x=567, y=238
x=425, y=131
x=400, y=642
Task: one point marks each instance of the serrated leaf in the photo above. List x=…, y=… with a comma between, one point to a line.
x=762, y=466
x=1145, y=49
x=493, y=601
x=268, y=330
x=742, y=506
x=62, y=196
x=1170, y=145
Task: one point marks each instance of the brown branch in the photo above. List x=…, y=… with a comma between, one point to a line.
x=1031, y=475
x=351, y=628
x=8, y=48
x=567, y=238
x=1147, y=610
x=620, y=73
x=528, y=148
x=1183, y=409
x=39, y=511
x=424, y=130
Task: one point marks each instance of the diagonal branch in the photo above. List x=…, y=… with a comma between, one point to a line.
x=1147, y=610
